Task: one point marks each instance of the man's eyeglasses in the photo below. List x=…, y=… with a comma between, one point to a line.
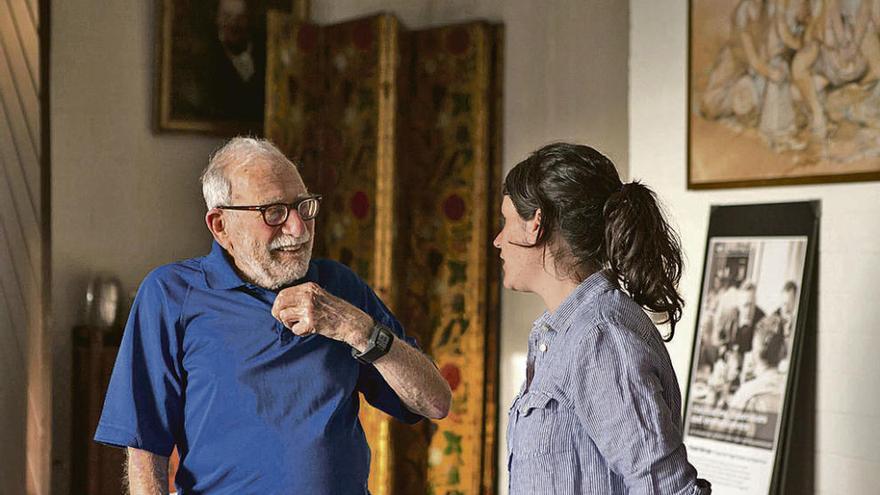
x=276, y=214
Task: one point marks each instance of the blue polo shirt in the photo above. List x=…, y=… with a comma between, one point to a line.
x=252, y=407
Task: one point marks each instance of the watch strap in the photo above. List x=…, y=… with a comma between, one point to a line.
x=378, y=345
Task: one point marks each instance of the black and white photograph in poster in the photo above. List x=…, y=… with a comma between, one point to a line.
x=744, y=357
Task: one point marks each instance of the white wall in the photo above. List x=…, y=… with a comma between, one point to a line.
x=124, y=200
x=847, y=429
x=564, y=79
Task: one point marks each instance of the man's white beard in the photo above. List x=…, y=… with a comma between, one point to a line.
x=267, y=269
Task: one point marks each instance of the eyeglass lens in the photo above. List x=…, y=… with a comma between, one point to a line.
x=277, y=214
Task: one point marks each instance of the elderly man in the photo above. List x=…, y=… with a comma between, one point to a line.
x=250, y=359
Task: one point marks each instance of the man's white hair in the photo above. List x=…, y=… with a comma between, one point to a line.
x=241, y=151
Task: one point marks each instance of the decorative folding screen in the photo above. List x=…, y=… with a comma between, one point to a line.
x=399, y=130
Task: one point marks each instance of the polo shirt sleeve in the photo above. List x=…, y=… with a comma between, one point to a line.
x=143, y=405
x=370, y=382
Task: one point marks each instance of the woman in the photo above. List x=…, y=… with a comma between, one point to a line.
x=599, y=412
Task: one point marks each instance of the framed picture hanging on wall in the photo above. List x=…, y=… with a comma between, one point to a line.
x=783, y=92
x=757, y=279
x=211, y=73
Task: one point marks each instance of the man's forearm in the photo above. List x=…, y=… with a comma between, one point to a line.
x=416, y=380
x=308, y=309
x=146, y=473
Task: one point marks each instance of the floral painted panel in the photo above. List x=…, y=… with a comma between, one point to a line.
x=398, y=130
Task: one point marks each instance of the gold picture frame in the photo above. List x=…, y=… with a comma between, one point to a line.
x=211, y=59
x=776, y=96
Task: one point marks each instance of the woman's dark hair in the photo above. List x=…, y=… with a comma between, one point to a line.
x=605, y=224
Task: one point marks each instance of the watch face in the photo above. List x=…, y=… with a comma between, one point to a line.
x=379, y=344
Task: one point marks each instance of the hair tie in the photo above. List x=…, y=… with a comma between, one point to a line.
x=616, y=197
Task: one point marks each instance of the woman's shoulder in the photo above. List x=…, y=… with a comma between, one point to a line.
x=623, y=327
x=616, y=309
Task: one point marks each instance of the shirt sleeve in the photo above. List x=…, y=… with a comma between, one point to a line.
x=370, y=382
x=618, y=398
x=143, y=405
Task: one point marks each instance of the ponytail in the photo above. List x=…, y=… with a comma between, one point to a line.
x=604, y=224
x=643, y=252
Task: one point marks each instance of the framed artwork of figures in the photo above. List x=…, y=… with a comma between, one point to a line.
x=757, y=279
x=212, y=65
x=783, y=92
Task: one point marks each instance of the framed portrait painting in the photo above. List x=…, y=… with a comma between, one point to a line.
x=212, y=65
x=758, y=280
x=783, y=92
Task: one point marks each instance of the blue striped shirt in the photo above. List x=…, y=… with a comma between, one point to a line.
x=599, y=412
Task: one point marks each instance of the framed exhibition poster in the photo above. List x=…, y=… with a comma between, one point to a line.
x=757, y=278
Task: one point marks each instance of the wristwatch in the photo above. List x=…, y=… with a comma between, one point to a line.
x=378, y=345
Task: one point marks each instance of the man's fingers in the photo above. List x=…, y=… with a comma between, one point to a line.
x=285, y=296
x=296, y=307
x=302, y=327
x=290, y=298
x=290, y=316
x=299, y=329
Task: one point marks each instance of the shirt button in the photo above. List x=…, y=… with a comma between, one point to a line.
x=543, y=347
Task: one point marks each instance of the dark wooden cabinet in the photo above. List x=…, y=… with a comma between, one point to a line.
x=96, y=469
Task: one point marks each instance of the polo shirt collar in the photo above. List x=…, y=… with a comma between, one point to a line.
x=220, y=273
x=588, y=290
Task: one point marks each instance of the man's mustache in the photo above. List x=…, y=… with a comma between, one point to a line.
x=289, y=242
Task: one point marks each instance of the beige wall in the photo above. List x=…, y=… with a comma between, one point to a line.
x=847, y=429
x=123, y=198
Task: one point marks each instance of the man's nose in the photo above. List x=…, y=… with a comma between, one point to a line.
x=294, y=225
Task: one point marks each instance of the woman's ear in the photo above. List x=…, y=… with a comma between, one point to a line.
x=533, y=226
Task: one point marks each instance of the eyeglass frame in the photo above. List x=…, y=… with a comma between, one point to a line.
x=288, y=206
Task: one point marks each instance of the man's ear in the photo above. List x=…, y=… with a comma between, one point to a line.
x=217, y=225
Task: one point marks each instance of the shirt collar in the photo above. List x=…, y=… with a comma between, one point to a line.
x=560, y=319
x=221, y=274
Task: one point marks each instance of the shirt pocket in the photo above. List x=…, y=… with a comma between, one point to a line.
x=534, y=416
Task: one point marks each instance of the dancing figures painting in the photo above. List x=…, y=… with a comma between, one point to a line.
x=784, y=91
